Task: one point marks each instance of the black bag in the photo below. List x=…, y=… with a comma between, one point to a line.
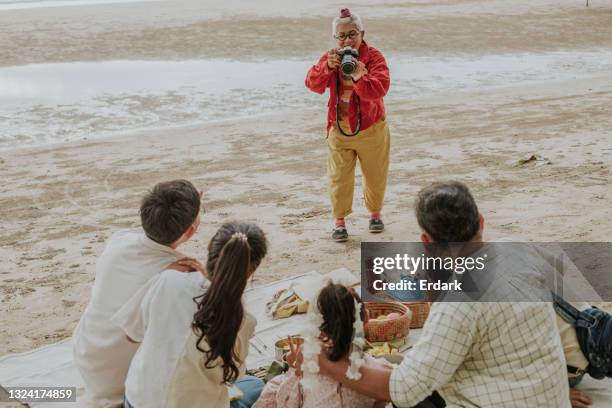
x=594, y=332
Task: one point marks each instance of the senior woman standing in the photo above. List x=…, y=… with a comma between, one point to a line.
x=356, y=122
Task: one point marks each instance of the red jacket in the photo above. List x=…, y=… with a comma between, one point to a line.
x=371, y=88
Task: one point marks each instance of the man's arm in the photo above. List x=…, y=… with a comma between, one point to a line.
x=445, y=341
x=188, y=264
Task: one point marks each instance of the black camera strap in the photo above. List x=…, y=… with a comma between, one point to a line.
x=358, y=128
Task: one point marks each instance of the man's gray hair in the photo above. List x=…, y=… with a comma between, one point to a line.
x=351, y=18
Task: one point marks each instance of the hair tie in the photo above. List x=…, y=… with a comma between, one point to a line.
x=312, y=346
x=344, y=13
x=241, y=236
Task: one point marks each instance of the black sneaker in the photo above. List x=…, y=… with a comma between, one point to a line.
x=340, y=234
x=376, y=225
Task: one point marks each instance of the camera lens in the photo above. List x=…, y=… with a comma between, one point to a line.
x=348, y=64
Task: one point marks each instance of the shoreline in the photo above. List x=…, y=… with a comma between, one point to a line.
x=589, y=81
x=139, y=133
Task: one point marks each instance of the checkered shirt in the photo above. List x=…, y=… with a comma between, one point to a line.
x=498, y=355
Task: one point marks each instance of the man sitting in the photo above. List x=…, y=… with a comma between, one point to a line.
x=474, y=354
x=170, y=216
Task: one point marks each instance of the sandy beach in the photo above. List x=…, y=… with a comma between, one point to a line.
x=62, y=201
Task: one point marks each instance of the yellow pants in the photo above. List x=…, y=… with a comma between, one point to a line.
x=371, y=147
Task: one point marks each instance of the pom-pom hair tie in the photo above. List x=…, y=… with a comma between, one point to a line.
x=312, y=345
x=344, y=13
x=241, y=236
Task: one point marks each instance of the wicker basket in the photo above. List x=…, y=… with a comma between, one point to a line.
x=420, y=311
x=388, y=329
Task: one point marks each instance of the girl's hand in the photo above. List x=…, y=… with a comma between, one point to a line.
x=295, y=358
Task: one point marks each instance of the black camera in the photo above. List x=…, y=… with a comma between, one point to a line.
x=348, y=60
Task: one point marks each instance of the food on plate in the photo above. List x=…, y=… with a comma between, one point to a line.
x=381, y=350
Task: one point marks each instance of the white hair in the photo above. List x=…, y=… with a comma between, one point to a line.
x=353, y=19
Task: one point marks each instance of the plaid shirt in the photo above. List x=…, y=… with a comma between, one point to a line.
x=485, y=355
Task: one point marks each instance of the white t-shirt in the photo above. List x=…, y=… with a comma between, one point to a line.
x=101, y=352
x=573, y=353
x=159, y=317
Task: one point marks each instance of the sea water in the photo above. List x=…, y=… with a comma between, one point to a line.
x=50, y=103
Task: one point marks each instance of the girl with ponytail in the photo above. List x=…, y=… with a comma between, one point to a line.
x=197, y=332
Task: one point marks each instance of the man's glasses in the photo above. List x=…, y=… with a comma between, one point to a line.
x=344, y=36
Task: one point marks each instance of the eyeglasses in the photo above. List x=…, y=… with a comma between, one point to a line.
x=344, y=36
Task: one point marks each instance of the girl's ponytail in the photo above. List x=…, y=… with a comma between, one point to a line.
x=234, y=253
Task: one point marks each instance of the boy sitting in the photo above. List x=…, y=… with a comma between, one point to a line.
x=170, y=216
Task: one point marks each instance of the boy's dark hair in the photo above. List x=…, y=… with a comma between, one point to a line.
x=168, y=210
x=337, y=306
x=447, y=212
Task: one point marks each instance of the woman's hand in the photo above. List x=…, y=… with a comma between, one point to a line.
x=333, y=59
x=360, y=71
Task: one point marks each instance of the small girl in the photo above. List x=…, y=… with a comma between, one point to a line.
x=336, y=303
